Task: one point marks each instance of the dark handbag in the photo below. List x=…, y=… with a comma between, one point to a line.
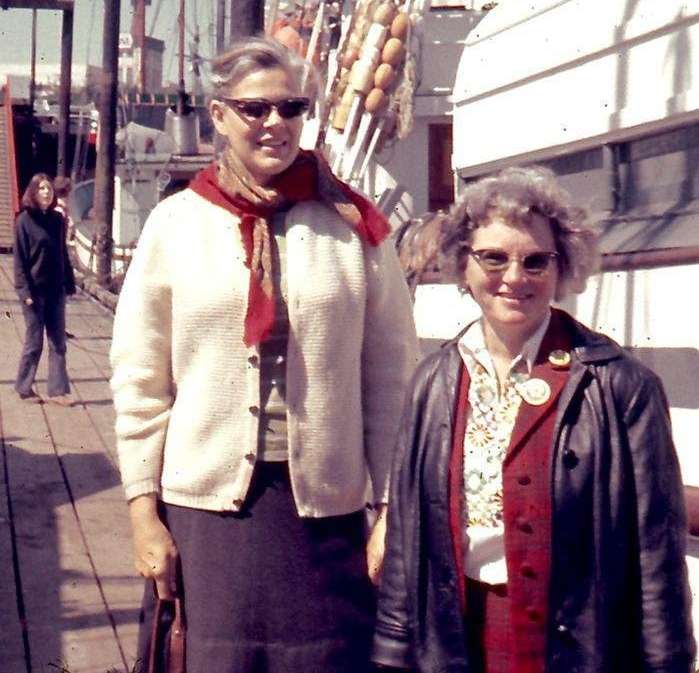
x=167, y=644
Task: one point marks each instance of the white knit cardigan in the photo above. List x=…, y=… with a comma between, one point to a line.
x=187, y=389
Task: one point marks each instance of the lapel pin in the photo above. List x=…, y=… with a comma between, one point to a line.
x=534, y=391
x=559, y=359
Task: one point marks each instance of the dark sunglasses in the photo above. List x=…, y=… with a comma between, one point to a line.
x=497, y=261
x=260, y=108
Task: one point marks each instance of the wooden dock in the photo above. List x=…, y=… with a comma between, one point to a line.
x=69, y=597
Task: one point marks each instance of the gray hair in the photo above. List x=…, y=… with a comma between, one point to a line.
x=260, y=53
x=514, y=195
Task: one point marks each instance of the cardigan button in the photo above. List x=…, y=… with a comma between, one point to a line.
x=250, y=457
x=533, y=614
x=254, y=360
x=237, y=503
x=254, y=410
x=527, y=571
x=523, y=525
x=524, y=480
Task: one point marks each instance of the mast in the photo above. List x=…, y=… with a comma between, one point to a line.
x=138, y=32
x=181, y=94
x=247, y=18
x=64, y=90
x=220, y=25
x=106, y=149
x=32, y=77
x=154, y=18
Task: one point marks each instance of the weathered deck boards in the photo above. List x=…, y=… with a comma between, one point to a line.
x=71, y=599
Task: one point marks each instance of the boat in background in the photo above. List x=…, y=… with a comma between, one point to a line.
x=151, y=166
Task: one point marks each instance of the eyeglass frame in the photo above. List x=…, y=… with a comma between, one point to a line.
x=238, y=103
x=547, y=254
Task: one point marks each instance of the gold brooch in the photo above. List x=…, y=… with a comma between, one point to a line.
x=559, y=359
x=534, y=391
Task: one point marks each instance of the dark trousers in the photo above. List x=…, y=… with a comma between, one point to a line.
x=47, y=312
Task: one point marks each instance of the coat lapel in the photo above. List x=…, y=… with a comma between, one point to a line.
x=529, y=415
x=456, y=476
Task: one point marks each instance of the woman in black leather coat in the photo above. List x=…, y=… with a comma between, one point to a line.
x=536, y=521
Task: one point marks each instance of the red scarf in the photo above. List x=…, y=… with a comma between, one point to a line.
x=309, y=178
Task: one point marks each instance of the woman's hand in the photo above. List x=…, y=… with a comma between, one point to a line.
x=376, y=546
x=154, y=549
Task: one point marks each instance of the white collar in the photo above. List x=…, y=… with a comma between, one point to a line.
x=472, y=347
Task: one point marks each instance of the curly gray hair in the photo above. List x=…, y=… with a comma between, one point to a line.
x=260, y=53
x=514, y=194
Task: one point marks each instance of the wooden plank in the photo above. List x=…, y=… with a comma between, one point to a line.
x=104, y=517
x=101, y=507
x=91, y=326
x=64, y=606
x=73, y=541
x=62, y=599
x=11, y=644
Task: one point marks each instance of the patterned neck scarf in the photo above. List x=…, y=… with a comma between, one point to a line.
x=230, y=186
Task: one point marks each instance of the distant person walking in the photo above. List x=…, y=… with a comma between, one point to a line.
x=43, y=278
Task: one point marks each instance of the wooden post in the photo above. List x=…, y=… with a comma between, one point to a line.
x=32, y=77
x=247, y=18
x=64, y=92
x=182, y=92
x=106, y=149
x=220, y=25
x=138, y=32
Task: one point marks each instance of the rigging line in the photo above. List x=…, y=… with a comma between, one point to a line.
x=211, y=31
x=192, y=33
x=208, y=22
x=174, y=30
x=154, y=18
x=93, y=5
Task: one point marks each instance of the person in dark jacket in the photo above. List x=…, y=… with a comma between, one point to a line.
x=536, y=521
x=43, y=277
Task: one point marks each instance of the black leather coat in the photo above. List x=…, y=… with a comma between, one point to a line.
x=619, y=598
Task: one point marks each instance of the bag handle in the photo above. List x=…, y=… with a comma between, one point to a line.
x=177, y=641
x=175, y=659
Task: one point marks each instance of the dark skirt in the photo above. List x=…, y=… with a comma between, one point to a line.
x=266, y=591
x=488, y=627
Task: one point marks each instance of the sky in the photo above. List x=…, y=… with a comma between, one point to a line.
x=15, y=31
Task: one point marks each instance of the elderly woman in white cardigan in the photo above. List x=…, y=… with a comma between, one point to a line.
x=262, y=347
